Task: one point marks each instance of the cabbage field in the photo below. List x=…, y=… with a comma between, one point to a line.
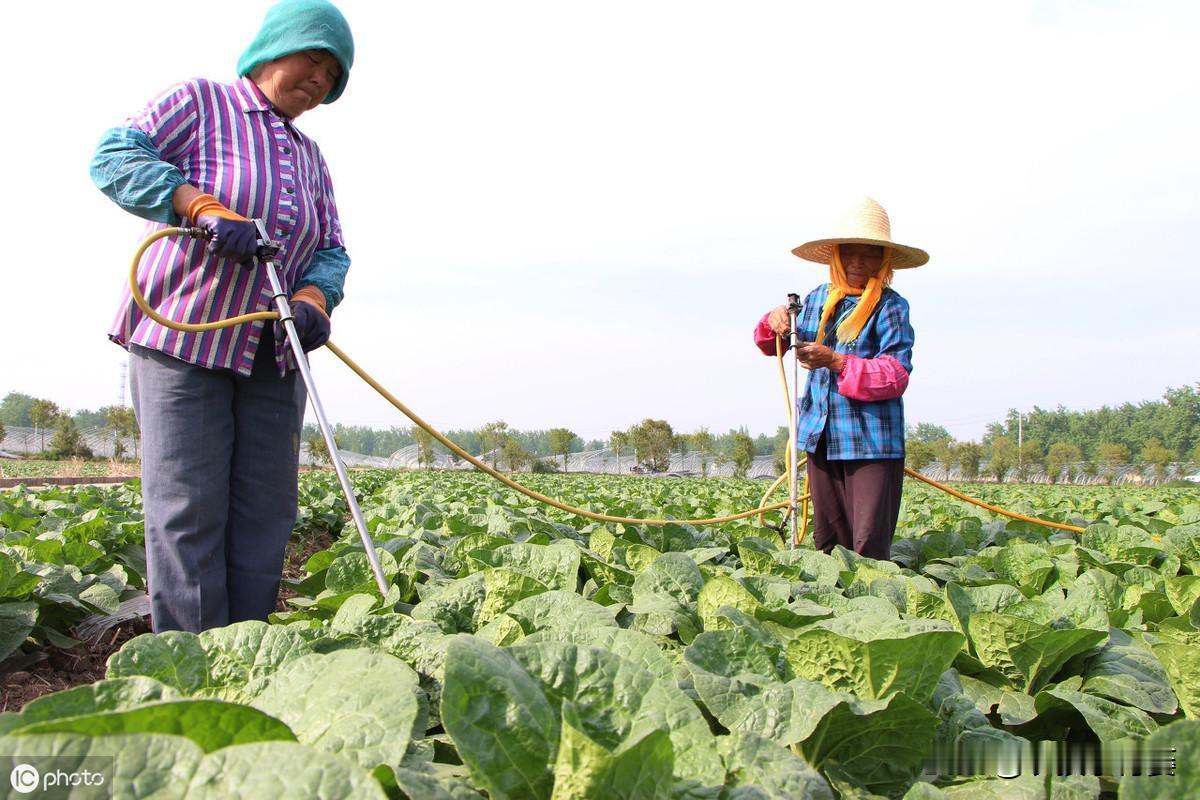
x=524, y=653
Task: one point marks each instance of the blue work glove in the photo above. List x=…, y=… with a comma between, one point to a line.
x=312, y=324
x=230, y=235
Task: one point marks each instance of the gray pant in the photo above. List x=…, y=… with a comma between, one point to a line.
x=220, y=454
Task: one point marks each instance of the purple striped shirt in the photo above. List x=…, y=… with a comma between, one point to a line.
x=228, y=142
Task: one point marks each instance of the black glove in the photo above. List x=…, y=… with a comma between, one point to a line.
x=230, y=235
x=230, y=238
x=312, y=326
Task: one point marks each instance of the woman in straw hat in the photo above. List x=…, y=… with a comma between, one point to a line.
x=856, y=340
x=221, y=411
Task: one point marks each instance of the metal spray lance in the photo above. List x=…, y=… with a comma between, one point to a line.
x=268, y=252
x=795, y=309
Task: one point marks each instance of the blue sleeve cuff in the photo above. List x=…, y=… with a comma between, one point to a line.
x=130, y=171
x=327, y=272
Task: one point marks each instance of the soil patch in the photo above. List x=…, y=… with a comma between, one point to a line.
x=85, y=663
x=299, y=549
x=62, y=669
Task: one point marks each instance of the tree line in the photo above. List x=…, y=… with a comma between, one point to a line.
x=652, y=441
x=1061, y=442
x=649, y=442
x=1066, y=444
x=385, y=441
x=537, y=443
x=65, y=429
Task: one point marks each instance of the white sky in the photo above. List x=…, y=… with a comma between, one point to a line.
x=573, y=214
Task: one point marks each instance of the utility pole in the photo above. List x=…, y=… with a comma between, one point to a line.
x=1020, y=436
x=124, y=381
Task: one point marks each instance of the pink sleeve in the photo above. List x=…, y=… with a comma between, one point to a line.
x=764, y=337
x=872, y=378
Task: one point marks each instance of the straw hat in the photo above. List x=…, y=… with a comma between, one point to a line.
x=865, y=223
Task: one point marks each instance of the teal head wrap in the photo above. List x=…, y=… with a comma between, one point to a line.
x=292, y=26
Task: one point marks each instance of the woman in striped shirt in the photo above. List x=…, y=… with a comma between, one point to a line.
x=221, y=411
x=856, y=341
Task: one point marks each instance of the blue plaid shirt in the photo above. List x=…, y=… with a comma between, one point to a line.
x=854, y=428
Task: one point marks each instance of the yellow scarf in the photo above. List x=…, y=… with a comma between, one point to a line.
x=839, y=288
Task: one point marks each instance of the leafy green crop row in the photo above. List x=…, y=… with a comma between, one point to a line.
x=523, y=653
x=65, y=554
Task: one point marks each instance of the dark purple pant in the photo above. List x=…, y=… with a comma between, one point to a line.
x=855, y=503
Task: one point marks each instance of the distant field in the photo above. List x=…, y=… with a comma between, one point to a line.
x=66, y=469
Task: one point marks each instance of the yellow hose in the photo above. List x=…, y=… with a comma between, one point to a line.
x=374, y=384
x=762, y=504
x=911, y=472
x=790, y=453
x=140, y=299
x=804, y=508
x=995, y=509
x=790, y=461
x=189, y=327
